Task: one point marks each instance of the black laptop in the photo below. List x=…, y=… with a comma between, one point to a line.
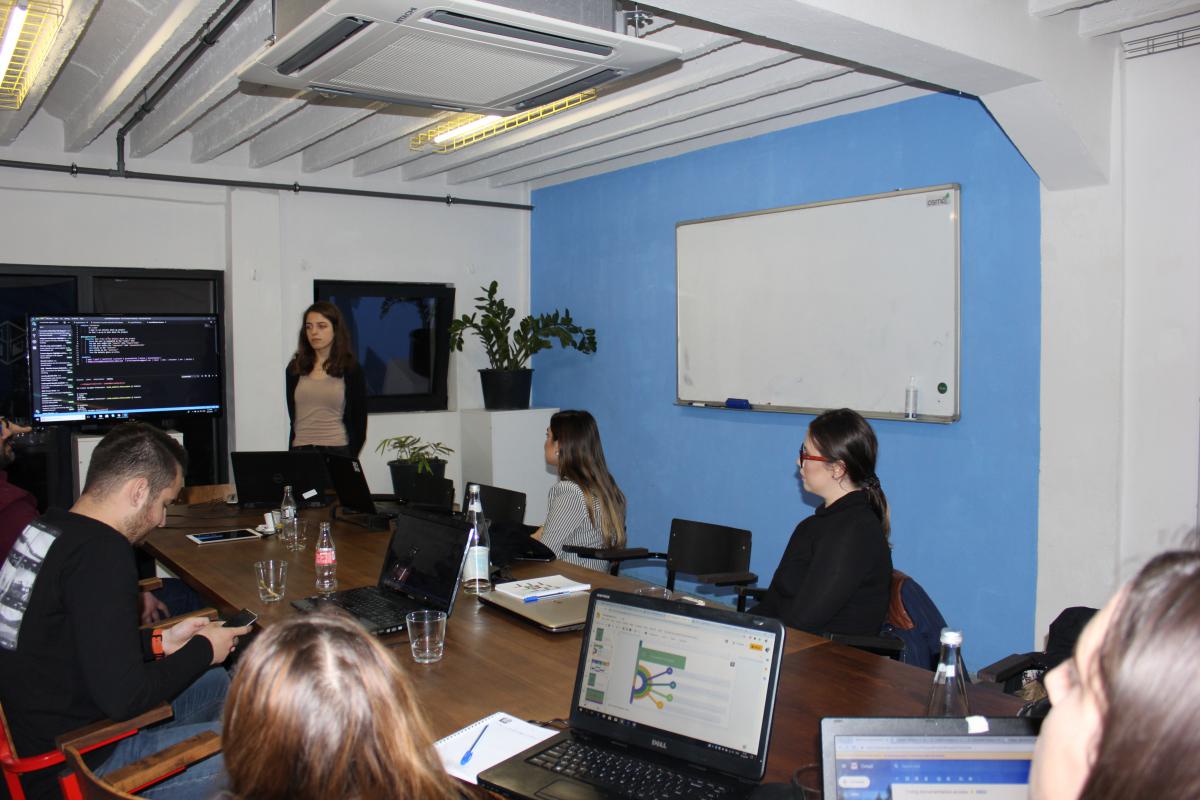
x=422, y=569
x=260, y=476
x=670, y=699
x=864, y=757
x=504, y=510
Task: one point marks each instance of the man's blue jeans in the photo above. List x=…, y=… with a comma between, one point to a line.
x=197, y=709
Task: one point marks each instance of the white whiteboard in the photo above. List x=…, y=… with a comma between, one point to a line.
x=827, y=305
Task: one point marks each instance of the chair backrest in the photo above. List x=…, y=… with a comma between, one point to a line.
x=91, y=787
x=698, y=548
x=923, y=634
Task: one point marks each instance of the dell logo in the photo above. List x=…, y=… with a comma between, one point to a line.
x=661, y=745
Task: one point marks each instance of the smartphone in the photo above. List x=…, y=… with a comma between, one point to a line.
x=241, y=619
x=214, y=537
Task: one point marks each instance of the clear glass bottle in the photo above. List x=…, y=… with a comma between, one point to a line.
x=326, y=561
x=477, y=570
x=948, y=695
x=287, y=509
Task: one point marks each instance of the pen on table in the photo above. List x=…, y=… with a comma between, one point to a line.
x=549, y=596
x=471, y=750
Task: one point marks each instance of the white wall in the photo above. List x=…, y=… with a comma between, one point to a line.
x=271, y=246
x=1161, y=438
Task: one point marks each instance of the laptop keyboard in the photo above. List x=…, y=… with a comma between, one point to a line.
x=624, y=775
x=366, y=603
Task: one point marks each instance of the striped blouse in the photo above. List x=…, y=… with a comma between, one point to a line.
x=567, y=523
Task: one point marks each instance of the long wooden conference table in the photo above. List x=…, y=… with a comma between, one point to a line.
x=496, y=662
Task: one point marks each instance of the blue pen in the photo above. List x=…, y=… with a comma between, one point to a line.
x=548, y=596
x=471, y=750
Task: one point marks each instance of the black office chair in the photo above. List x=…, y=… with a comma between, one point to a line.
x=715, y=555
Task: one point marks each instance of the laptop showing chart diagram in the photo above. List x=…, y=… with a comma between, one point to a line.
x=667, y=696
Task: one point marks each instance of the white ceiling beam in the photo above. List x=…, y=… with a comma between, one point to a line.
x=812, y=95
x=361, y=137
x=237, y=119
x=729, y=62
x=13, y=122
x=1116, y=15
x=210, y=80
x=733, y=93
x=305, y=127
x=1048, y=8
x=147, y=52
x=983, y=49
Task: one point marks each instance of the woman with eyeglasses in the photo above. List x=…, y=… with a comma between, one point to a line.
x=836, y=573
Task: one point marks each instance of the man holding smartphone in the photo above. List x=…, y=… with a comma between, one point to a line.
x=71, y=652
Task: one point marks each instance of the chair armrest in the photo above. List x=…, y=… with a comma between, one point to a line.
x=611, y=553
x=211, y=613
x=727, y=578
x=757, y=592
x=1008, y=667
x=168, y=761
x=889, y=646
x=150, y=584
x=89, y=736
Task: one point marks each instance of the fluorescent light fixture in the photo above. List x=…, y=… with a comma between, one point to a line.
x=12, y=32
x=468, y=129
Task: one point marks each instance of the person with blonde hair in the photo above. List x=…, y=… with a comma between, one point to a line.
x=586, y=507
x=320, y=710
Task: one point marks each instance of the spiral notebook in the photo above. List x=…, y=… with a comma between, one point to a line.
x=489, y=741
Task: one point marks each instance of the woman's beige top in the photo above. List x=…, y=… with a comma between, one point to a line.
x=319, y=406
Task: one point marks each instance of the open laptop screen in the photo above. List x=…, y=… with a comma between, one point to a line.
x=425, y=557
x=928, y=759
x=697, y=683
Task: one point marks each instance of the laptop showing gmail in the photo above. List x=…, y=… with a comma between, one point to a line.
x=670, y=699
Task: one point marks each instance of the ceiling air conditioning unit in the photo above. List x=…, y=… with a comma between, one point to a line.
x=460, y=55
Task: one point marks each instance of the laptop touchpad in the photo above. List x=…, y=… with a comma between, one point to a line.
x=567, y=790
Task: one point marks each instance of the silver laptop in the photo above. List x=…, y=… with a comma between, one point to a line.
x=924, y=757
x=669, y=697
x=554, y=614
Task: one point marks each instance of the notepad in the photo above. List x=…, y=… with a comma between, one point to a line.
x=535, y=588
x=505, y=736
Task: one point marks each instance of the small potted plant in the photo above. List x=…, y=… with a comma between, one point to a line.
x=506, y=385
x=413, y=458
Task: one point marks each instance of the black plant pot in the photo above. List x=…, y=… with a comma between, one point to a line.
x=506, y=389
x=405, y=476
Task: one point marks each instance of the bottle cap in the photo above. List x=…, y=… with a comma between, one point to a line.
x=951, y=636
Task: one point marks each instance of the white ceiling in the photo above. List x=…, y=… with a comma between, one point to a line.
x=744, y=71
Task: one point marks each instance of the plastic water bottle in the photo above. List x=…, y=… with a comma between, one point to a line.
x=948, y=695
x=326, y=562
x=287, y=509
x=910, y=399
x=477, y=577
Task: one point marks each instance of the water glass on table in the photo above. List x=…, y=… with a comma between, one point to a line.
x=427, y=635
x=272, y=579
x=296, y=539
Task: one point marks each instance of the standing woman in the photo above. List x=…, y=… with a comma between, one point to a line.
x=836, y=573
x=586, y=507
x=326, y=389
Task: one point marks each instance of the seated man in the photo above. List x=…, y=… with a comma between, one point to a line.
x=70, y=649
x=17, y=506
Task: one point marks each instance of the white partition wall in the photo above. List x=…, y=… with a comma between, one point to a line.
x=504, y=448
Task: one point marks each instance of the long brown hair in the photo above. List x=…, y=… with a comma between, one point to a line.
x=581, y=461
x=341, y=352
x=843, y=435
x=1147, y=665
x=319, y=710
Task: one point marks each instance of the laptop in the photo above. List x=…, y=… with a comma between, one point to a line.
x=554, y=614
x=259, y=478
x=670, y=696
x=422, y=569
x=505, y=511
x=910, y=759
x=354, y=495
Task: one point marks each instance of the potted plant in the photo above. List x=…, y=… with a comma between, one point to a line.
x=413, y=458
x=507, y=383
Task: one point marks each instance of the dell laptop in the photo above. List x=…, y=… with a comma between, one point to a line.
x=259, y=478
x=670, y=699
x=864, y=758
x=421, y=570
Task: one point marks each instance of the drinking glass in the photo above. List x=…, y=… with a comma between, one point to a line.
x=272, y=579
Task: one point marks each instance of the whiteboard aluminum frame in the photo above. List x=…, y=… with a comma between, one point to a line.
x=944, y=419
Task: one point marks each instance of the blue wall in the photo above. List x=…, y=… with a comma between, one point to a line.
x=963, y=496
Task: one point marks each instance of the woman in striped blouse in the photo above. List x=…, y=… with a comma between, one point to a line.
x=586, y=507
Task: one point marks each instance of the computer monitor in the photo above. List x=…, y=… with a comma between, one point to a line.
x=90, y=367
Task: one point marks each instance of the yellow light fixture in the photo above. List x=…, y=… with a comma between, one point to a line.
x=29, y=29
x=461, y=130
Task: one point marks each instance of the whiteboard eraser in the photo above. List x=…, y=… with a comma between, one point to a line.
x=737, y=402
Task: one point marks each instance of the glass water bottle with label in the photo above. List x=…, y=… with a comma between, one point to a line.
x=477, y=570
